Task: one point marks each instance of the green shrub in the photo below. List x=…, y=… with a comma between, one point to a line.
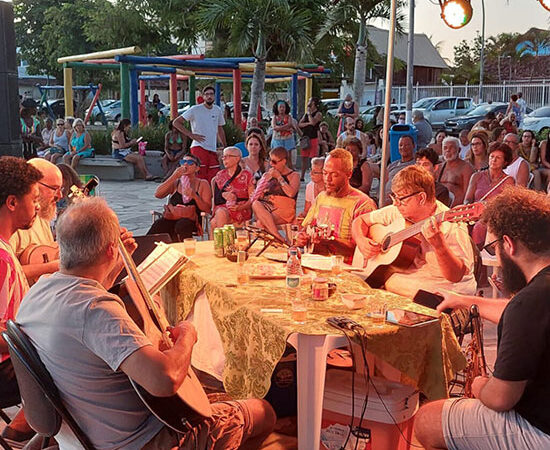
x=154, y=136
x=233, y=133
x=101, y=140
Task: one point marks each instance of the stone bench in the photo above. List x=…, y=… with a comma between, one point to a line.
x=108, y=168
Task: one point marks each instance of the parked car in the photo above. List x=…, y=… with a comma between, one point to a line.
x=537, y=120
x=266, y=115
x=57, y=106
x=456, y=124
x=183, y=105
x=367, y=112
x=329, y=104
x=104, y=103
x=438, y=109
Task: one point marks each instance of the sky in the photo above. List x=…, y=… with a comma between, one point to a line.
x=500, y=16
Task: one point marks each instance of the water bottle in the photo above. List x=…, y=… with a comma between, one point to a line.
x=294, y=263
x=293, y=297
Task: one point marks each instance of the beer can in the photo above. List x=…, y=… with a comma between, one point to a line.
x=219, y=242
x=231, y=227
x=228, y=237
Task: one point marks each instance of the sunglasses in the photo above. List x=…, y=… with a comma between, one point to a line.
x=491, y=247
x=398, y=200
x=187, y=162
x=60, y=124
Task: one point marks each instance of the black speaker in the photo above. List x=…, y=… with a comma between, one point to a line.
x=8, y=61
x=10, y=142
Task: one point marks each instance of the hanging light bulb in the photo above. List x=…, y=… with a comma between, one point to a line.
x=545, y=4
x=457, y=13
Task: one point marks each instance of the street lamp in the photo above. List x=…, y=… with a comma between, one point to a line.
x=456, y=13
x=545, y=3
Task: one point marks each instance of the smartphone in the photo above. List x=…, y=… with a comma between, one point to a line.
x=139, y=139
x=429, y=300
x=408, y=318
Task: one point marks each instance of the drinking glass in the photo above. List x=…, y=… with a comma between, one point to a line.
x=337, y=264
x=242, y=239
x=378, y=314
x=189, y=245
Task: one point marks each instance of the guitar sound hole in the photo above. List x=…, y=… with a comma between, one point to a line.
x=45, y=258
x=385, y=244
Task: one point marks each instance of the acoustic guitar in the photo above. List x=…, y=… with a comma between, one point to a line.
x=190, y=405
x=399, y=244
x=39, y=254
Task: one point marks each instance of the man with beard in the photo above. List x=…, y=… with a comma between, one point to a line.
x=19, y=206
x=351, y=131
x=40, y=233
x=454, y=173
x=207, y=122
x=510, y=409
x=337, y=206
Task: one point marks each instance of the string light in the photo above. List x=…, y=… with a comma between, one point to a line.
x=457, y=13
x=545, y=4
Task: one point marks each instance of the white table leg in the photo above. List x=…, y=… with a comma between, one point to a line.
x=311, y=353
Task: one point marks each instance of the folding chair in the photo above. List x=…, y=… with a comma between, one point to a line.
x=44, y=409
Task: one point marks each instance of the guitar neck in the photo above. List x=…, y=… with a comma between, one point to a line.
x=413, y=230
x=133, y=273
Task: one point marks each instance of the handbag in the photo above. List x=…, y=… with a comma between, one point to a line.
x=305, y=142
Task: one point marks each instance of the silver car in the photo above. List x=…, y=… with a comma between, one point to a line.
x=438, y=109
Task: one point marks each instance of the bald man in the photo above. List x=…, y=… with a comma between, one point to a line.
x=40, y=233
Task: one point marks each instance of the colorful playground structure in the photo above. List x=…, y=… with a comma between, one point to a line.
x=136, y=70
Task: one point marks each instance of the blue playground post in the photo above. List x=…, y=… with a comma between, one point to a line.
x=218, y=89
x=134, y=108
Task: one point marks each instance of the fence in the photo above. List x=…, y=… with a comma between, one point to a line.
x=534, y=94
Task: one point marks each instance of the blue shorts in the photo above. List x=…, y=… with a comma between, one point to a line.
x=86, y=153
x=289, y=144
x=469, y=425
x=121, y=153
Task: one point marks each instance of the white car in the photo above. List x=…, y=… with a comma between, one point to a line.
x=538, y=120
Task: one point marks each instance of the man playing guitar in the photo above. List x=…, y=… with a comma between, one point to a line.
x=39, y=238
x=92, y=348
x=335, y=208
x=443, y=253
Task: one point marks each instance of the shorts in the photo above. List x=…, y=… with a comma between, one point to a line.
x=228, y=427
x=312, y=151
x=469, y=425
x=210, y=164
x=57, y=150
x=289, y=144
x=86, y=153
x=9, y=390
x=121, y=153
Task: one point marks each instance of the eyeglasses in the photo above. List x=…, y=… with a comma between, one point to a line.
x=53, y=188
x=316, y=172
x=398, y=200
x=187, y=162
x=230, y=156
x=491, y=247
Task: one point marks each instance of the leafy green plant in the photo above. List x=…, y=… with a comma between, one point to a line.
x=233, y=133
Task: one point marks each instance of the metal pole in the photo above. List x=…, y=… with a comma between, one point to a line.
x=389, y=81
x=482, y=54
x=410, y=65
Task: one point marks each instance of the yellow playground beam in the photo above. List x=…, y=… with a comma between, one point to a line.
x=68, y=91
x=270, y=70
x=309, y=89
x=100, y=55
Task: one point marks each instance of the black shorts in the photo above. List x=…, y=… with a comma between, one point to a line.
x=9, y=390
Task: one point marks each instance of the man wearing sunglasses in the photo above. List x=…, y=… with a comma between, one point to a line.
x=510, y=409
x=444, y=258
x=41, y=233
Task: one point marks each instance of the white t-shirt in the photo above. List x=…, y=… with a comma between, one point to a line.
x=464, y=149
x=205, y=121
x=513, y=169
x=425, y=272
x=310, y=192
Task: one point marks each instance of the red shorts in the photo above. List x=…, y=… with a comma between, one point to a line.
x=210, y=165
x=312, y=151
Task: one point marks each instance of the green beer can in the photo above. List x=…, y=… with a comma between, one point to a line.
x=219, y=242
x=228, y=235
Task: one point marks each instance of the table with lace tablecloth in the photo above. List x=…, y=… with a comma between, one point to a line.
x=243, y=331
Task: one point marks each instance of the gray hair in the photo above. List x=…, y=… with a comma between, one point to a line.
x=84, y=232
x=236, y=149
x=514, y=135
x=454, y=140
x=417, y=114
x=78, y=122
x=317, y=162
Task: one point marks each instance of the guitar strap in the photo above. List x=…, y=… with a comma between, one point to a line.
x=441, y=172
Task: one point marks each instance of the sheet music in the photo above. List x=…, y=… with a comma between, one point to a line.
x=160, y=266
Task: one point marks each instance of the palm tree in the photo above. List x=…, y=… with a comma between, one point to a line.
x=254, y=27
x=360, y=12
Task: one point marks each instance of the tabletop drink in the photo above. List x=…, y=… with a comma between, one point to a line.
x=337, y=263
x=242, y=239
x=189, y=246
x=219, y=247
x=242, y=270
